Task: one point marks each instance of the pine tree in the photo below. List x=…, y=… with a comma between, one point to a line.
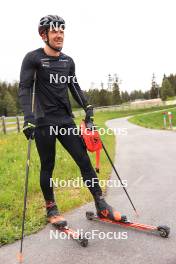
x=13, y=90
x=136, y=94
x=172, y=80
x=1, y=107
x=9, y=105
x=154, y=92
x=125, y=97
x=116, y=97
x=104, y=97
x=166, y=89
x=147, y=95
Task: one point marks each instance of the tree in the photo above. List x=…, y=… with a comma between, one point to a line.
x=1, y=107
x=9, y=105
x=136, y=94
x=166, y=89
x=9, y=102
x=172, y=80
x=93, y=97
x=13, y=90
x=147, y=95
x=104, y=97
x=154, y=91
x=125, y=97
x=116, y=97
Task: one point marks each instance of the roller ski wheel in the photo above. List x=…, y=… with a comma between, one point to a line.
x=90, y=215
x=83, y=241
x=164, y=231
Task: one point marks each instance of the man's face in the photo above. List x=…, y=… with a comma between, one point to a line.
x=56, y=37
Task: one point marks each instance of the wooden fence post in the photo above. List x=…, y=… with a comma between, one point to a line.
x=3, y=125
x=18, y=124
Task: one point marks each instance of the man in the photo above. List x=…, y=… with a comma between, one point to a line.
x=46, y=66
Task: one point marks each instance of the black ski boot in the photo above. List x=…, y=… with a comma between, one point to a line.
x=54, y=216
x=104, y=210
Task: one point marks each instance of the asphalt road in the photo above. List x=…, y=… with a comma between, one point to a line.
x=145, y=158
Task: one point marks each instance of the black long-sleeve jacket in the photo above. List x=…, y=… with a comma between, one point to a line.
x=54, y=75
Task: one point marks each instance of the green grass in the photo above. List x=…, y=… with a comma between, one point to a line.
x=13, y=148
x=153, y=120
x=171, y=98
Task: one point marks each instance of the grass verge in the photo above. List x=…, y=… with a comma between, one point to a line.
x=154, y=120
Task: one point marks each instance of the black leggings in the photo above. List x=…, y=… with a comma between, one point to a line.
x=46, y=146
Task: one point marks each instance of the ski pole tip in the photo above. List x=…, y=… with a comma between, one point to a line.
x=20, y=257
x=136, y=213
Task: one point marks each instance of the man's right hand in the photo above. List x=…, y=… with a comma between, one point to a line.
x=29, y=130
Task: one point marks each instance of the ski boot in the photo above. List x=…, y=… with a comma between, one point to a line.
x=104, y=210
x=54, y=216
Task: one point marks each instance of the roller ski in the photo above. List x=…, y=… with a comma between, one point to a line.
x=163, y=231
x=59, y=222
x=106, y=214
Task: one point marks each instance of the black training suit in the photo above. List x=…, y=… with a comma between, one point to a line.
x=54, y=75
x=51, y=93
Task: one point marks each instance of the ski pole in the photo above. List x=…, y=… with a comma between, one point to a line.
x=19, y=255
x=119, y=177
x=81, y=102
